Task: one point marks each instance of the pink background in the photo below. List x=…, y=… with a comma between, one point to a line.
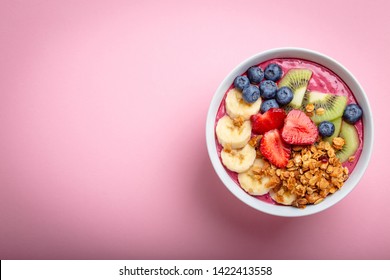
x=102, y=116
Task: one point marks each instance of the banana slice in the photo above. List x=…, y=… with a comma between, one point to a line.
x=233, y=134
x=286, y=198
x=239, y=160
x=236, y=106
x=251, y=181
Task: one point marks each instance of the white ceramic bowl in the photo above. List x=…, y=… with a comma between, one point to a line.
x=357, y=90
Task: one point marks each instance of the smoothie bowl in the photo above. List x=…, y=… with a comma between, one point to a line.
x=290, y=132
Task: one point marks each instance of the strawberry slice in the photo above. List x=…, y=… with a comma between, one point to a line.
x=299, y=129
x=274, y=149
x=273, y=118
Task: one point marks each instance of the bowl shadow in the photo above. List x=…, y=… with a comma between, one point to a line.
x=228, y=211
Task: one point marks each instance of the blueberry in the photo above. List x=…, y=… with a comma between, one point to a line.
x=352, y=113
x=241, y=82
x=268, y=89
x=255, y=75
x=268, y=104
x=284, y=95
x=326, y=128
x=251, y=94
x=273, y=72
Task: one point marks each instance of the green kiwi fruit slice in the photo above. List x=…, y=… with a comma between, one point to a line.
x=351, y=137
x=297, y=80
x=332, y=104
x=290, y=107
x=337, y=128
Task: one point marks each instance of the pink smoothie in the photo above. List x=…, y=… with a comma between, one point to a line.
x=322, y=80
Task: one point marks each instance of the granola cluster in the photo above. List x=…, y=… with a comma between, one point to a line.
x=310, y=110
x=312, y=173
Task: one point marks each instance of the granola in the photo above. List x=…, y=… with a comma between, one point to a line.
x=254, y=141
x=320, y=111
x=312, y=173
x=309, y=108
x=238, y=121
x=338, y=143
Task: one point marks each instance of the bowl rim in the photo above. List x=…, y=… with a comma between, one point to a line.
x=368, y=135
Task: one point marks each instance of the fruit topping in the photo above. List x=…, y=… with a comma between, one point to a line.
x=238, y=160
x=272, y=119
x=268, y=89
x=326, y=128
x=283, y=197
x=273, y=72
x=268, y=104
x=233, y=133
x=274, y=149
x=236, y=106
x=337, y=127
x=297, y=80
x=284, y=95
x=296, y=152
x=251, y=94
x=350, y=135
x=352, y=113
x=255, y=75
x=241, y=82
x=254, y=181
x=327, y=106
x=299, y=129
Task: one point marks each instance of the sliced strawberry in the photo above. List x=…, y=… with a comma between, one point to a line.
x=299, y=129
x=274, y=149
x=273, y=118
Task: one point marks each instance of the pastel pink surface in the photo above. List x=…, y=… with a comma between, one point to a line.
x=102, y=116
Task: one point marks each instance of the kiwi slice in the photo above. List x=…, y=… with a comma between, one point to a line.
x=290, y=107
x=337, y=127
x=297, y=80
x=332, y=106
x=351, y=137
